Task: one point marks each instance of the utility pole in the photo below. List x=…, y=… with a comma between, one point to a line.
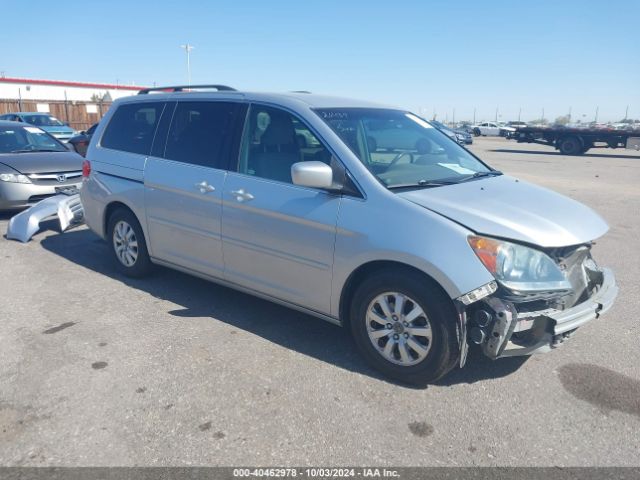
x=453, y=120
x=496, y=114
x=474, y=115
x=66, y=107
x=596, y=120
x=187, y=49
x=519, y=113
x=569, y=115
x=542, y=119
x=626, y=113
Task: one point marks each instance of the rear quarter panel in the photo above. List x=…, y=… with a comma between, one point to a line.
x=116, y=176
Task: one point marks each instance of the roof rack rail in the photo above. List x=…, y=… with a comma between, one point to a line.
x=181, y=88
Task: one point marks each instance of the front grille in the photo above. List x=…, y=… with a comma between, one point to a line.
x=582, y=272
x=52, y=178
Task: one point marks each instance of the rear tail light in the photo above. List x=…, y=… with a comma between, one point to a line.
x=86, y=168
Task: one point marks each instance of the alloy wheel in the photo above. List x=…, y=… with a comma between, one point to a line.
x=399, y=328
x=125, y=243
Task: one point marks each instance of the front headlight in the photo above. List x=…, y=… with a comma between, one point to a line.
x=14, y=178
x=517, y=267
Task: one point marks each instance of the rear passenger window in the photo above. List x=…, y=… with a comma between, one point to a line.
x=204, y=133
x=132, y=127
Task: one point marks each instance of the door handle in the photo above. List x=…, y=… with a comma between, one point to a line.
x=204, y=187
x=241, y=195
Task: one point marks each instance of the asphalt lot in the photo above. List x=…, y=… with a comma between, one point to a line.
x=97, y=369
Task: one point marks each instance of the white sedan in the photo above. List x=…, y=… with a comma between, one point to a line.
x=491, y=129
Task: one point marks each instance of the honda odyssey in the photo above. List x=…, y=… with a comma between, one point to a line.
x=360, y=214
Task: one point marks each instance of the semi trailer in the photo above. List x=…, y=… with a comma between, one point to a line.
x=576, y=141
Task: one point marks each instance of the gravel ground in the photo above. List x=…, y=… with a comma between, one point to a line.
x=97, y=369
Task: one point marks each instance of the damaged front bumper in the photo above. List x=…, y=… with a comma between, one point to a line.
x=66, y=206
x=502, y=331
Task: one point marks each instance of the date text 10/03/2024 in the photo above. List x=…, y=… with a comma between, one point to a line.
x=316, y=472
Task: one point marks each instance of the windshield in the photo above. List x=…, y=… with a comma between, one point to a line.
x=401, y=149
x=27, y=139
x=43, y=120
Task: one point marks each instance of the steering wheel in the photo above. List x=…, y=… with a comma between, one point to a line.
x=397, y=158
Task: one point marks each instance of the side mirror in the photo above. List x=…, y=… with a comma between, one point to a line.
x=312, y=174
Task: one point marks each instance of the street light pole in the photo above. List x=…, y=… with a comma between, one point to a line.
x=187, y=49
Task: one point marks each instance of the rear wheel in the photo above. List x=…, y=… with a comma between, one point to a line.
x=127, y=244
x=404, y=326
x=570, y=145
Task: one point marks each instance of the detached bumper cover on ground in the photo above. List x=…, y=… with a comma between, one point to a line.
x=66, y=206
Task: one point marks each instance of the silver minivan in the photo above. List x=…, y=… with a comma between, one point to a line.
x=360, y=214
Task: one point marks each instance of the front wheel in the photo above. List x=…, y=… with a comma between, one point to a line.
x=128, y=245
x=477, y=132
x=404, y=326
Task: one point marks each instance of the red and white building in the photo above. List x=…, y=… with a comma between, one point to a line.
x=16, y=89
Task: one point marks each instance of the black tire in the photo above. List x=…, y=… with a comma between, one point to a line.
x=477, y=132
x=142, y=265
x=570, y=145
x=614, y=142
x=444, y=351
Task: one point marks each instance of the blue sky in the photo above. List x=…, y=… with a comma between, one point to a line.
x=424, y=55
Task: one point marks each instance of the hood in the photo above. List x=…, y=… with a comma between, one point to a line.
x=512, y=209
x=42, y=162
x=60, y=130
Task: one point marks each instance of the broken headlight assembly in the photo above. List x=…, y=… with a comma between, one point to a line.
x=518, y=268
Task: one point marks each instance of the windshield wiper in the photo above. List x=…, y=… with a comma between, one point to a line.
x=422, y=184
x=490, y=173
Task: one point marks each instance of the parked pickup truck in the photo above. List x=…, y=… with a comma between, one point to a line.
x=576, y=141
